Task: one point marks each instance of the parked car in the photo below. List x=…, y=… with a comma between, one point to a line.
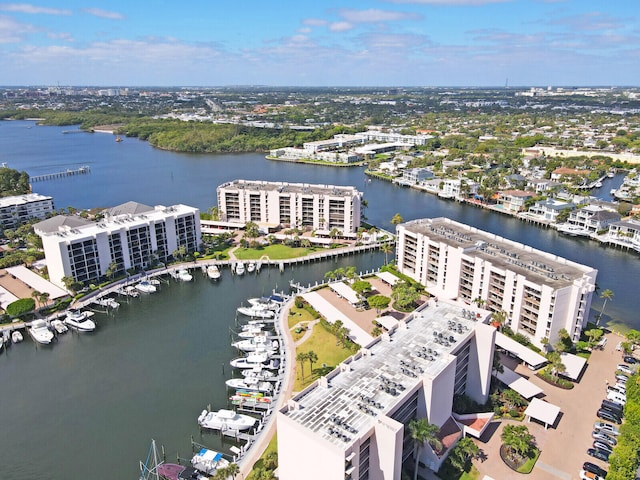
x=602, y=446
x=603, y=437
x=599, y=454
x=609, y=416
x=622, y=378
x=593, y=468
x=586, y=475
x=630, y=360
x=606, y=428
x=617, y=397
x=614, y=407
x=625, y=368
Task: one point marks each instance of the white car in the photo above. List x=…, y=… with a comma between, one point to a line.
x=606, y=428
x=617, y=397
x=625, y=369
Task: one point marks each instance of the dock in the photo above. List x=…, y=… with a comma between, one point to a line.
x=83, y=170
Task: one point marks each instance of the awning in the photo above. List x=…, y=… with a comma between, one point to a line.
x=528, y=356
x=387, y=321
x=388, y=277
x=518, y=383
x=573, y=364
x=345, y=291
x=545, y=412
x=36, y=282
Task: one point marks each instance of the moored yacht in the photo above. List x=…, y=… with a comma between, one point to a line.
x=225, y=420
x=251, y=267
x=208, y=461
x=213, y=272
x=240, y=268
x=250, y=384
x=59, y=326
x=80, y=321
x=264, y=302
x=16, y=336
x=256, y=312
x=146, y=287
x=40, y=332
x=184, y=275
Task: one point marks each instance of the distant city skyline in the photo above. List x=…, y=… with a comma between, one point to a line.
x=350, y=43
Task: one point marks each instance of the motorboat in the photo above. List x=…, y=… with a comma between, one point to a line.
x=256, y=343
x=80, y=321
x=254, y=312
x=106, y=302
x=260, y=373
x=255, y=332
x=264, y=302
x=146, y=287
x=250, y=401
x=253, y=325
x=59, y=326
x=240, y=268
x=213, y=272
x=251, y=267
x=40, y=332
x=611, y=174
x=16, y=336
x=131, y=291
x=244, y=363
x=598, y=184
x=226, y=420
x=208, y=461
x=250, y=384
x=184, y=275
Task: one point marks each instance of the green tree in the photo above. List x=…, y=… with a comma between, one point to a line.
x=36, y=295
x=555, y=364
x=251, y=230
x=518, y=440
x=112, y=269
x=20, y=307
x=313, y=358
x=362, y=287
x=421, y=432
x=464, y=451
x=301, y=357
x=594, y=335
x=499, y=319
x=397, y=219
x=376, y=332
x=606, y=295
x=378, y=302
x=386, y=248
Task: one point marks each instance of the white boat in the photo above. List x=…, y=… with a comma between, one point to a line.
x=250, y=399
x=251, y=360
x=611, y=174
x=213, y=272
x=225, y=420
x=40, y=332
x=184, y=275
x=208, y=461
x=146, y=287
x=250, y=384
x=264, y=302
x=106, y=302
x=59, y=326
x=255, y=332
x=251, y=267
x=260, y=373
x=16, y=336
x=244, y=363
x=131, y=291
x=154, y=281
x=254, y=325
x=613, y=191
x=598, y=184
x=80, y=321
x=256, y=343
x=240, y=268
x=254, y=312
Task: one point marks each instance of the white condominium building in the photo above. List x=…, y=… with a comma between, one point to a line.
x=131, y=235
x=541, y=293
x=353, y=423
x=317, y=207
x=18, y=209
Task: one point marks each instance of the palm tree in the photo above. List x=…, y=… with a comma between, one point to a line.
x=422, y=431
x=517, y=439
x=36, y=296
x=465, y=450
x=386, y=248
x=397, y=219
x=301, y=357
x=606, y=296
x=232, y=470
x=313, y=358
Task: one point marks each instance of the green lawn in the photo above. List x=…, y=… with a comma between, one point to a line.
x=324, y=345
x=274, y=252
x=297, y=315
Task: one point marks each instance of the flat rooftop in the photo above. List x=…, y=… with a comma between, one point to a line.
x=291, y=187
x=535, y=265
x=22, y=199
x=378, y=378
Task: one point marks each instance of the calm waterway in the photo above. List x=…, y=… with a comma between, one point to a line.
x=89, y=405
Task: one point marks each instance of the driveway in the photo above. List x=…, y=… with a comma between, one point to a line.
x=563, y=447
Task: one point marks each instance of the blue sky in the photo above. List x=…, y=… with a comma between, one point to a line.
x=321, y=43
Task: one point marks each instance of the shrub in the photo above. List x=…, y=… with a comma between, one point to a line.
x=20, y=307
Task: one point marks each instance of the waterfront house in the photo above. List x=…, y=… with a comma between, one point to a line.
x=513, y=201
x=413, y=176
x=625, y=233
x=592, y=219
x=549, y=209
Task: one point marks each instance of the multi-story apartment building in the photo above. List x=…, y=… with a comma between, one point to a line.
x=131, y=235
x=541, y=293
x=353, y=423
x=18, y=209
x=302, y=205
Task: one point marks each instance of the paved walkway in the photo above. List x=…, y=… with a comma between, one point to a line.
x=307, y=334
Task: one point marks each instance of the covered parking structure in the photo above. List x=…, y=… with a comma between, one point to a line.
x=36, y=282
x=345, y=291
x=518, y=383
x=573, y=365
x=532, y=359
x=542, y=411
x=388, y=277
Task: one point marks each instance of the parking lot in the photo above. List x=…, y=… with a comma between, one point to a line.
x=564, y=446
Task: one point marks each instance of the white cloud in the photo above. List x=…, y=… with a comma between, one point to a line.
x=32, y=9
x=305, y=30
x=373, y=15
x=98, y=12
x=314, y=22
x=12, y=31
x=67, y=37
x=340, y=26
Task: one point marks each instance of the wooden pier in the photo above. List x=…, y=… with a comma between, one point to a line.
x=83, y=170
